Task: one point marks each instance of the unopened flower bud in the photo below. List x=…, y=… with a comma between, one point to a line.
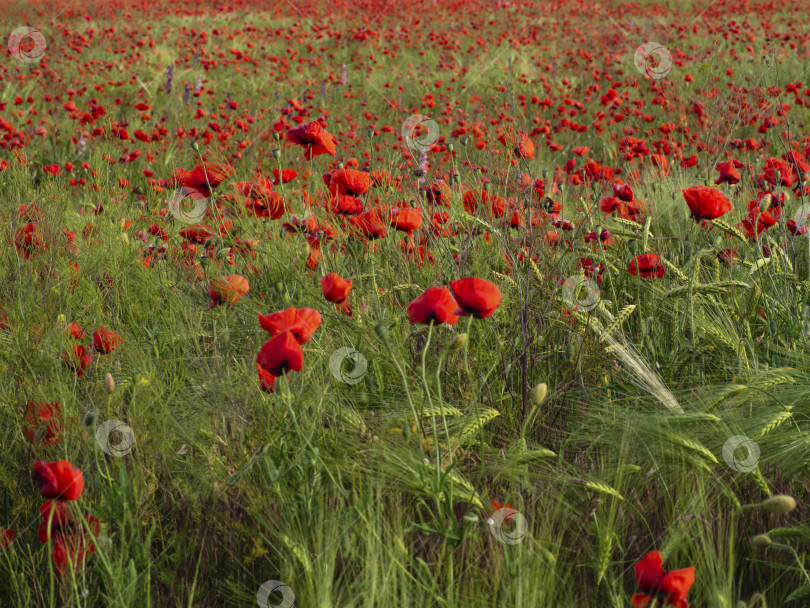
x=762, y=541
x=109, y=383
x=539, y=393
x=381, y=331
x=765, y=203
x=195, y=146
x=780, y=504
x=276, y=153
x=90, y=418
x=458, y=342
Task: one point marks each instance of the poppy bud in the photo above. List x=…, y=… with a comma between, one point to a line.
x=276, y=153
x=195, y=146
x=61, y=320
x=486, y=186
x=370, y=132
x=539, y=393
x=632, y=246
x=450, y=147
x=718, y=240
x=464, y=140
x=276, y=135
x=381, y=331
x=765, y=203
x=339, y=166
x=762, y=541
x=279, y=286
x=779, y=504
x=139, y=191
x=109, y=383
x=90, y=418
x=458, y=342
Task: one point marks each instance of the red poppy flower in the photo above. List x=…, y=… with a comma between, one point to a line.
x=105, y=341
x=203, y=178
x=406, y=219
x=706, y=203
x=227, y=289
x=58, y=480
x=335, y=288
x=647, y=265
x=28, y=240
x=301, y=322
x=45, y=416
x=509, y=510
x=267, y=380
x=6, y=537
x=728, y=173
x=348, y=182
x=476, y=297
x=280, y=353
x=197, y=234
x=435, y=305
x=314, y=139
x=75, y=330
x=78, y=359
x=623, y=192
x=368, y=225
x=668, y=588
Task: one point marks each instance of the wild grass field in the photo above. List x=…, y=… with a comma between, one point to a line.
x=427, y=303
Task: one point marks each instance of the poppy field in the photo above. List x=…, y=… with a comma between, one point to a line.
x=376, y=303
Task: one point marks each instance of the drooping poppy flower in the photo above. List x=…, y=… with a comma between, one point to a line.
x=44, y=419
x=105, y=341
x=335, y=288
x=706, y=203
x=281, y=353
x=227, y=289
x=435, y=305
x=476, y=297
x=623, y=192
x=647, y=265
x=313, y=138
x=301, y=322
x=197, y=234
x=668, y=588
x=287, y=175
x=6, y=537
x=58, y=480
x=78, y=359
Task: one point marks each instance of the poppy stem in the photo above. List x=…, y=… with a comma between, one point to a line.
x=430, y=403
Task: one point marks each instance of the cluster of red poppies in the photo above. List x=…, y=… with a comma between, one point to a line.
x=78, y=358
